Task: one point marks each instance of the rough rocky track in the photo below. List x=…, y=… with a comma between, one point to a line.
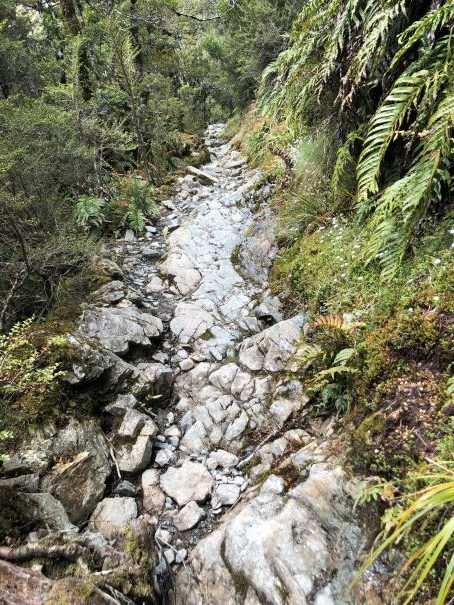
x=205, y=419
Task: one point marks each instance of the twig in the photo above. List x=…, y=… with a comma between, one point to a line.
x=242, y=463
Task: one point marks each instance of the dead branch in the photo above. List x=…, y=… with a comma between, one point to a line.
x=72, y=552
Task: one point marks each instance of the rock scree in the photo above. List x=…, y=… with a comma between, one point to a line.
x=205, y=420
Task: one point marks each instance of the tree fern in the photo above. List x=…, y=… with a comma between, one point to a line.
x=404, y=203
x=421, y=31
x=383, y=127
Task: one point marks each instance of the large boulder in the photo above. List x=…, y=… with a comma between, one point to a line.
x=189, y=482
x=156, y=380
x=118, y=330
x=47, y=511
x=272, y=349
x=258, y=249
x=113, y=516
x=79, y=484
x=280, y=548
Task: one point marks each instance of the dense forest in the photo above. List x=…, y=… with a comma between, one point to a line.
x=345, y=110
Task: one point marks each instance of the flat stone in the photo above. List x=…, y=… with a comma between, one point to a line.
x=22, y=483
x=189, y=482
x=153, y=497
x=133, y=457
x=119, y=329
x=225, y=494
x=121, y=405
x=221, y=458
x=188, y=517
x=113, y=516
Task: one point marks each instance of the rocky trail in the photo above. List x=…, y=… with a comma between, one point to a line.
x=203, y=432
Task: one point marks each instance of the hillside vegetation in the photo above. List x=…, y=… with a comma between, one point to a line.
x=362, y=103
x=347, y=107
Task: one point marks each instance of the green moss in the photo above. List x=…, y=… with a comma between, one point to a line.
x=208, y=335
x=234, y=258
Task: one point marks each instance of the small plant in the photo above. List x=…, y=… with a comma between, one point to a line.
x=89, y=211
x=133, y=200
x=329, y=361
x=130, y=203
x=431, y=506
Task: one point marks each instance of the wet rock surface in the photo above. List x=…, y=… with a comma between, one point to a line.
x=203, y=426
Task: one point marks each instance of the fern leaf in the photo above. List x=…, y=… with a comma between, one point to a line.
x=382, y=130
x=344, y=356
x=328, y=321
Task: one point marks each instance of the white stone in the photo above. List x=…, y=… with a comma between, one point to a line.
x=222, y=458
x=113, y=515
x=189, y=482
x=153, y=496
x=225, y=494
x=189, y=516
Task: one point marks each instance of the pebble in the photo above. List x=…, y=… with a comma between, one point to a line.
x=181, y=555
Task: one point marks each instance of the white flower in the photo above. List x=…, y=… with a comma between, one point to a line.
x=451, y=231
x=436, y=261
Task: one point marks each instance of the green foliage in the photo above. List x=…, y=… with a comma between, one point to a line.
x=31, y=361
x=328, y=362
x=129, y=206
x=339, y=51
x=432, y=504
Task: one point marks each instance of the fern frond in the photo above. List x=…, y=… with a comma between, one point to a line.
x=344, y=356
x=382, y=130
x=335, y=322
x=309, y=353
x=422, y=30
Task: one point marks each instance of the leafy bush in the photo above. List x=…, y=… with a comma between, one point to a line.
x=400, y=145
x=29, y=368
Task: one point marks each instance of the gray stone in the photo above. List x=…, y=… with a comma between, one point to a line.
x=151, y=253
x=156, y=380
x=121, y=405
x=109, y=293
x=89, y=364
x=126, y=489
x=273, y=348
x=134, y=457
x=225, y=494
x=186, y=365
x=48, y=511
x=189, y=482
x=131, y=424
x=79, y=484
x=113, y=516
x=188, y=517
x=155, y=285
x=153, y=496
x=164, y=457
x=119, y=329
x=23, y=483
